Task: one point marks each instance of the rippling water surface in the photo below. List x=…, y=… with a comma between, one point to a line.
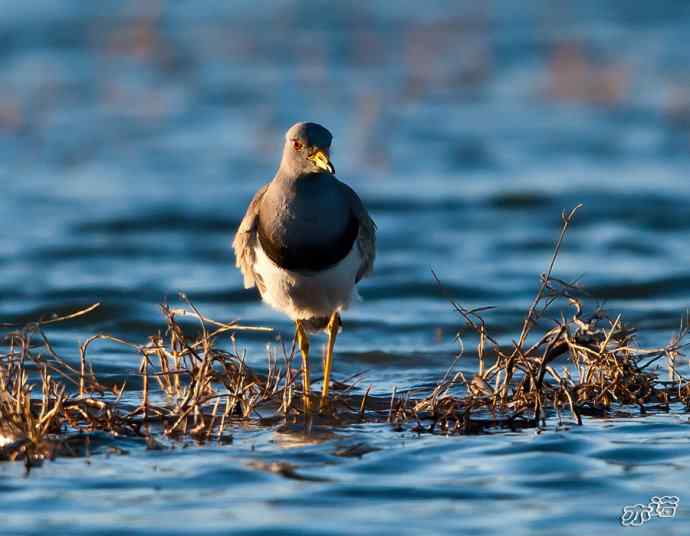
x=133, y=136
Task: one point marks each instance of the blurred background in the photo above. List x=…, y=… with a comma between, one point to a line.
x=133, y=134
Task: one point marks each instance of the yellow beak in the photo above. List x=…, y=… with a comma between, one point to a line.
x=321, y=160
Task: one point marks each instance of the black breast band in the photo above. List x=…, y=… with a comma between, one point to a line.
x=310, y=257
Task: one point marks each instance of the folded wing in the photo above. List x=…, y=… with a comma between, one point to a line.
x=245, y=239
x=366, y=238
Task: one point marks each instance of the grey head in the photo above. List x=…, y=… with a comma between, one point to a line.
x=307, y=150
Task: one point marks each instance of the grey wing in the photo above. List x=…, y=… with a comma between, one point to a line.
x=245, y=239
x=366, y=238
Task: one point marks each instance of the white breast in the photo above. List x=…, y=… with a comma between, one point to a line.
x=303, y=295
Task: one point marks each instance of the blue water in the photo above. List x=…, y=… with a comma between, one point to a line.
x=132, y=136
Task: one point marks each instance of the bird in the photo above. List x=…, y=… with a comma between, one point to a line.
x=305, y=242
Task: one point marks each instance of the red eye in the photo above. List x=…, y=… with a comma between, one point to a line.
x=297, y=145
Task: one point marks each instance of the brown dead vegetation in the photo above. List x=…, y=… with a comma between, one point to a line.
x=194, y=389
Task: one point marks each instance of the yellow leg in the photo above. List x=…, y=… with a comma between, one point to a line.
x=333, y=325
x=303, y=342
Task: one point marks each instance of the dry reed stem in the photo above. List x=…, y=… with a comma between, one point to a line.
x=586, y=364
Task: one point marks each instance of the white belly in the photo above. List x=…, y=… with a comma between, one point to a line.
x=303, y=295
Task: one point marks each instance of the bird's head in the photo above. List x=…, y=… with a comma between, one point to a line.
x=307, y=150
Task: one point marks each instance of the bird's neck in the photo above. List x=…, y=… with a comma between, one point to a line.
x=304, y=179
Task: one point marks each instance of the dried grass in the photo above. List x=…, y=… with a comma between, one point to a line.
x=603, y=373
x=194, y=389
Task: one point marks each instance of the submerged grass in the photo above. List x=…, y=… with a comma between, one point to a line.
x=194, y=389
